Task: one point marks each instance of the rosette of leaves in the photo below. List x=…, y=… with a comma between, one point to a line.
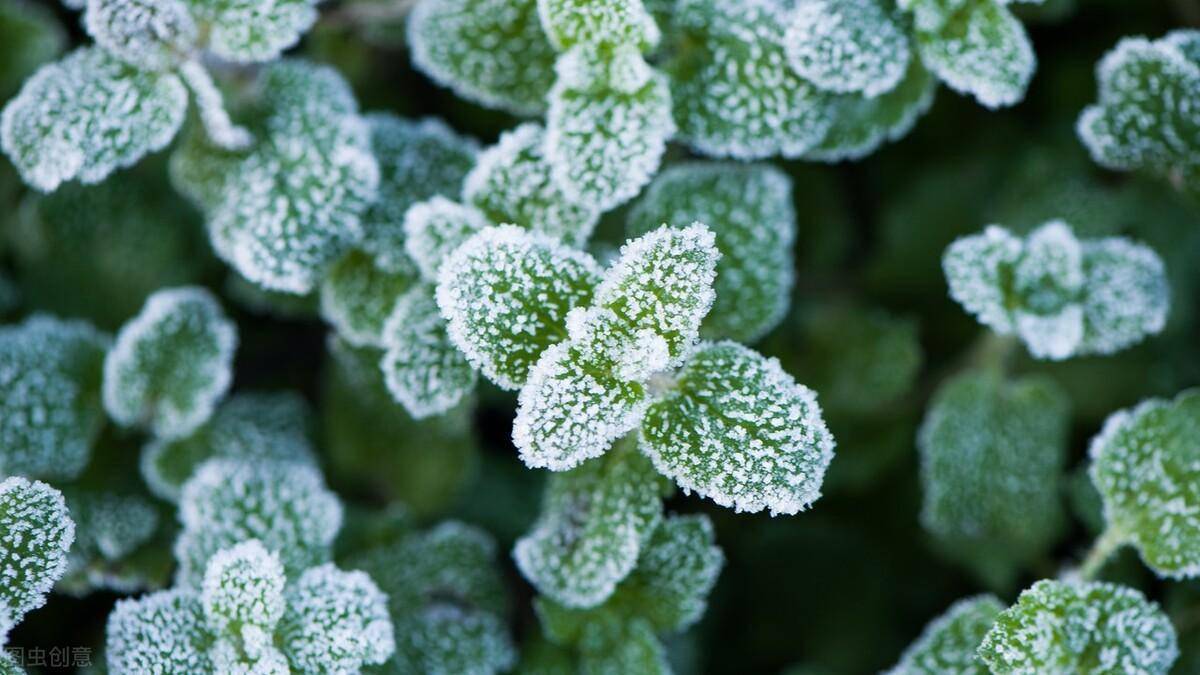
x=949, y=643
x=246, y=617
x=114, y=530
x=1061, y=296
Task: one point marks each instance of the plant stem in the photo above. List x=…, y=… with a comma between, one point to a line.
x=992, y=350
x=1102, y=549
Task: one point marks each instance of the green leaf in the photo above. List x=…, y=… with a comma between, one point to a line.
x=87, y=116
x=981, y=50
x=948, y=644
x=336, y=622
x=161, y=632
x=1143, y=465
x=598, y=22
x=36, y=531
x=595, y=522
x=847, y=46
x=992, y=456
x=171, y=363
x=735, y=95
x=511, y=183
x=146, y=34
x=1063, y=627
x=435, y=228
x=243, y=589
x=32, y=36
x=422, y=368
x=749, y=210
x=491, y=52
x=506, y=294
x=109, y=527
x=246, y=31
x=737, y=429
x=357, y=296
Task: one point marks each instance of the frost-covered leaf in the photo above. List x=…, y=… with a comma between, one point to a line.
x=492, y=52
x=1127, y=298
x=109, y=526
x=422, y=368
x=170, y=364
x=247, y=31
x=247, y=426
x=749, y=210
x=88, y=115
x=992, y=456
x=506, y=294
x=1145, y=116
x=608, y=125
x=1062, y=627
x=948, y=644
x=418, y=160
x=159, y=633
x=449, y=640
x=36, y=531
x=595, y=521
x=31, y=36
x=357, y=296
x=511, y=183
x=598, y=22
x=975, y=269
x=285, y=505
x=735, y=94
x=50, y=410
x=336, y=622
x=737, y=429
x=1144, y=465
x=434, y=229
x=242, y=590
x=861, y=125
x=847, y=46
x=981, y=50
x=146, y=34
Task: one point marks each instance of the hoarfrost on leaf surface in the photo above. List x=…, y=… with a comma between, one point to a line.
x=847, y=46
x=88, y=115
x=434, y=229
x=506, y=294
x=1064, y=627
x=336, y=622
x=358, y=295
x=170, y=364
x=253, y=31
x=36, y=531
x=243, y=588
x=422, y=368
x=109, y=526
x=598, y=22
x=159, y=633
x=146, y=34
x=740, y=431
x=948, y=644
x=1144, y=464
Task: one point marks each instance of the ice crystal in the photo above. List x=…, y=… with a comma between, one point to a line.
x=948, y=644
x=109, y=526
x=421, y=366
x=598, y=22
x=242, y=589
x=36, y=531
x=435, y=228
x=336, y=622
x=146, y=34
x=247, y=31
x=847, y=46
x=170, y=364
x=1062, y=627
x=159, y=633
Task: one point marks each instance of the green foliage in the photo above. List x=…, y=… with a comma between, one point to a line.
x=1142, y=465
x=358, y=295
x=36, y=531
x=1066, y=627
x=110, y=527
x=604, y=22
x=421, y=366
x=244, y=31
x=435, y=228
x=847, y=46
x=146, y=34
x=32, y=36
x=948, y=644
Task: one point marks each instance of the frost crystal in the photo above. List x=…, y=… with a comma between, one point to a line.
x=492, y=52
x=1144, y=466
x=982, y=50
x=159, y=633
x=336, y=622
x=284, y=505
x=357, y=296
x=1060, y=627
x=146, y=34
x=847, y=46
x=421, y=366
x=170, y=364
x=992, y=455
x=247, y=426
x=50, y=411
x=1063, y=297
x=88, y=115
x=749, y=210
x=1146, y=115
x=433, y=229
x=598, y=22
x=740, y=431
x=247, y=31
x=949, y=642
x=735, y=94
x=506, y=294
x=595, y=520
x=511, y=183
x=36, y=531
x=242, y=589
x=108, y=527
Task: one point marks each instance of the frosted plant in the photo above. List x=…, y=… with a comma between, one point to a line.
x=246, y=426
x=246, y=618
x=992, y=455
x=146, y=34
x=171, y=363
x=358, y=294
x=847, y=46
x=948, y=644
x=1064, y=627
x=1143, y=464
x=492, y=52
x=572, y=22
x=511, y=183
x=749, y=210
x=283, y=504
x=594, y=522
x=421, y=367
x=248, y=31
x=435, y=228
x=665, y=594
x=109, y=527
x=447, y=601
x=1063, y=297
x=1144, y=118
x=50, y=372
x=36, y=531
